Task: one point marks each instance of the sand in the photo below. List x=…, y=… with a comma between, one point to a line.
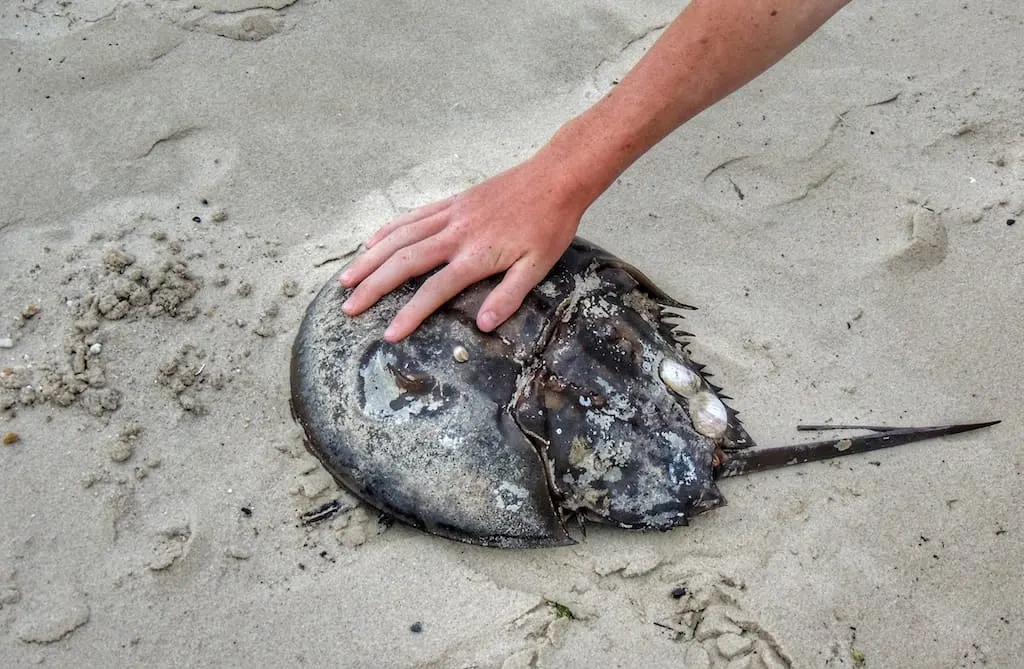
x=180, y=178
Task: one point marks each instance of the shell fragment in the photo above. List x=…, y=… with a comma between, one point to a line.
x=679, y=378
x=709, y=415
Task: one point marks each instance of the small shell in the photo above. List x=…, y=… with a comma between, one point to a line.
x=709, y=415
x=460, y=354
x=679, y=378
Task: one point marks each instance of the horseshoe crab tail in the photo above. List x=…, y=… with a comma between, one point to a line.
x=737, y=463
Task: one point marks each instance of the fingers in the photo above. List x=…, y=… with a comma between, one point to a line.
x=409, y=217
x=434, y=292
x=402, y=237
x=404, y=264
x=508, y=295
x=513, y=222
x=502, y=302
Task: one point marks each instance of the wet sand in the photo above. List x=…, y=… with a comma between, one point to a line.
x=178, y=183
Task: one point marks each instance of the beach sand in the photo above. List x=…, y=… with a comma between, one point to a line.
x=180, y=178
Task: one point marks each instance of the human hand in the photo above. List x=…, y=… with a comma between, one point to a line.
x=518, y=222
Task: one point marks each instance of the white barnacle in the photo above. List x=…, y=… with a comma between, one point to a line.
x=548, y=289
x=613, y=475
x=510, y=497
x=460, y=354
x=679, y=378
x=709, y=415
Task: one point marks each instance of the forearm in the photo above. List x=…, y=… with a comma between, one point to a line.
x=520, y=221
x=713, y=48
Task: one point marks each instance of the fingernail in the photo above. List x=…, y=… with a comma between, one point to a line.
x=347, y=306
x=390, y=333
x=488, y=321
x=346, y=276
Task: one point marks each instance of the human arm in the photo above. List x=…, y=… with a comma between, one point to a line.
x=520, y=221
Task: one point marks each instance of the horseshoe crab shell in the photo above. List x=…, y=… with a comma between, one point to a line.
x=585, y=403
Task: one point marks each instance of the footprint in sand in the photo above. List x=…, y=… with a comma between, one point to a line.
x=190, y=155
x=689, y=618
x=976, y=166
x=47, y=20
x=718, y=632
x=924, y=246
x=766, y=181
x=430, y=181
x=10, y=592
x=173, y=543
x=53, y=615
x=242, y=20
x=421, y=185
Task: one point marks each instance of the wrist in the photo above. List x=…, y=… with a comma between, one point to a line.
x=597, y=146
x=581, y=163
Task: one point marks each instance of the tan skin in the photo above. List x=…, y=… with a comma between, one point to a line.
x=521, y=221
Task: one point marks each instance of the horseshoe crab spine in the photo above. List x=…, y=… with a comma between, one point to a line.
x=737, y=463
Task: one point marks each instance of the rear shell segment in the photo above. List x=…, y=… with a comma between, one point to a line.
x=621, y=447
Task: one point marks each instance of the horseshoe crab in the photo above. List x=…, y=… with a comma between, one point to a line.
x=585, y=403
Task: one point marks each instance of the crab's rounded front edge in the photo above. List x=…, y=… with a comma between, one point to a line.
x=418, y=432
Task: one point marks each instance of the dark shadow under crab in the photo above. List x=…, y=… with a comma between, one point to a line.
x=585, y=403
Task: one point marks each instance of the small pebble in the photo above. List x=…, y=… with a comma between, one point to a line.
x=118, y=260
x=6, y=342
x=460, y=354
x=96, y=349
x=121, y=451
x=416, y=627
x=29, y=311
x=10, y=438
x=1011, y=221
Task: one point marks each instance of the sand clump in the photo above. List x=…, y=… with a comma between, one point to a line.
x=117, y=288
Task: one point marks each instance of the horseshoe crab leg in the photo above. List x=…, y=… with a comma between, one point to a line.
x=737, y=463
